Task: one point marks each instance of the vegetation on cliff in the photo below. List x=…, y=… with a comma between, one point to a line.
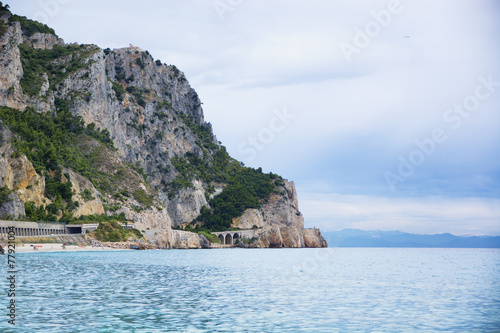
x=59, y=138
x=4, y=193
x=28, y=26
x=53, y=140
x=31, y=27
x=111, y=231
x=57, y=63
x=4, y=8
x=3, y=28
x=247, y=188
x=211, y=237
x=49, y=140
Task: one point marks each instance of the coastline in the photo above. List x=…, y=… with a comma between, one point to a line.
x=57, y=247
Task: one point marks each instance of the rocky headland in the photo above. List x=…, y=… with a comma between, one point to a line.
x=86, y=131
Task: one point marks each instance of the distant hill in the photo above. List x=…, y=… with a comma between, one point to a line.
x=361, y=238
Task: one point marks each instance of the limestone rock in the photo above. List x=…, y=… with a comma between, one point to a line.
x=313, y=238
x=13, y=207
x=282, y=208
x=269, y=236
x=17, y=172
x=186, y=206
x=153, y=116
x=43, y=41
x=86, y=206
x=177, y=239
x=151, y=218
x=11, y=69
x=292, y=237
x=281, y=223
x=249, y=219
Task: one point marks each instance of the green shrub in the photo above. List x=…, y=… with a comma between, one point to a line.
x=212, y=238
x=86, y=195
x=246, y=187
x=51, y=141
x=4, y=9
x=119, y=90
x=30, y=27
x=131, y=89
x=57, y=63
x=139, y=62
x=120, y=76
x=143, y=198
x=3, y=28
x=94, y=218
x=137, y=233
x=202, y=131
x=250, y=241
x=111, y=231
x=137, y=168
x=4, y=193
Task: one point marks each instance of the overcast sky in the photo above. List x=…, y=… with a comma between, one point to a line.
x=384, y=113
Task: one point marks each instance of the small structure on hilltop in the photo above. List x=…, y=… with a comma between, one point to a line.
x=136, y=48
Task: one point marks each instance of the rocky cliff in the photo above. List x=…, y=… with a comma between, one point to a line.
x=279, y=222
x=133, y=142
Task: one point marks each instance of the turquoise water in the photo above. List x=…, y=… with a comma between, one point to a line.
x=257, y=290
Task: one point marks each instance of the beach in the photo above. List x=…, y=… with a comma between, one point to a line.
x=56, y=247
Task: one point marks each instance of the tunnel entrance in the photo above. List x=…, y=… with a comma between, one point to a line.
x=74, y=229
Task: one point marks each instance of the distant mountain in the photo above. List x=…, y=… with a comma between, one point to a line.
x=361, y=238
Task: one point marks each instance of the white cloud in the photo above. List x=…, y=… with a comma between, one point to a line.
x=354, y=119
x=460, y=216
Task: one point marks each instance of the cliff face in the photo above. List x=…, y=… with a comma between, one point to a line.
x=280, y=221
x=177, y=239
x=155, y=121
x=18, y=174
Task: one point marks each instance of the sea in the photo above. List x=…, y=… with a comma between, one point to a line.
x=255, y=290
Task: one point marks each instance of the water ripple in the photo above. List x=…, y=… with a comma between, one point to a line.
x=268, y=290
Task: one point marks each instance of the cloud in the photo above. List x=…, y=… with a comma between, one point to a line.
x=428, y=215
x=354, y=120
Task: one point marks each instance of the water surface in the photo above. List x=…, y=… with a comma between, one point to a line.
x=258, y=290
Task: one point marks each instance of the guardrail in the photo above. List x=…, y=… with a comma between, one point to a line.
x=51, y=222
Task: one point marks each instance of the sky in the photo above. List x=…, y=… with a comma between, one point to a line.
x=385, y=114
